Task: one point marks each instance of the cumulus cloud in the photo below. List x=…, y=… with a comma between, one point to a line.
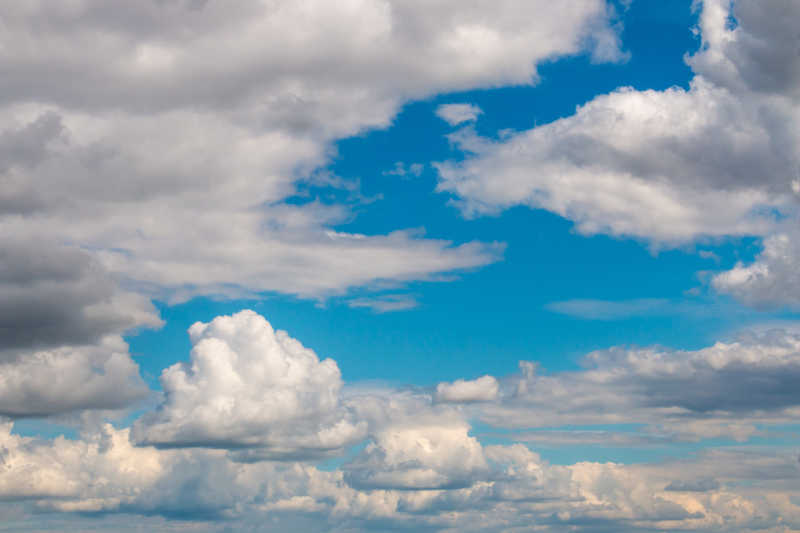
x=726, y=390
x=666, y=166
x=483, y=389
x=455, y=114
x=415, y=446
x=249, y=386
x=60, y=380
x=104, y=473
x=267, y=401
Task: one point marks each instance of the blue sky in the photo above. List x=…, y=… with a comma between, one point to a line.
x=485, y=321
x=259, y=278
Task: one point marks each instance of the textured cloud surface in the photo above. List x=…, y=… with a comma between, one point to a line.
x=170, y=133
x=726, y=390
x=250, y=386
x=252, y=401
x=670, y=165
x=61, y=380
x=161, y=150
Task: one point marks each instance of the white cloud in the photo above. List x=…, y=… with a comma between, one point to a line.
x=667, y=166
x=455, y=114
x=270, y=401
x=249, y=386
x=483, y=389
x=414, y=169
x=771, y=280
x=60, y=380
x=170, y=147
x=726, y=491
x=415, y=446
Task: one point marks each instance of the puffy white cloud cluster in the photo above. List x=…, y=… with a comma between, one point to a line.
x=415, y=446
x=249, y=386
x=252, y=401
x=103, y=473
x=670, y=166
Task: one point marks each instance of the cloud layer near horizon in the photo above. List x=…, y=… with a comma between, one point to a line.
x=252, y=402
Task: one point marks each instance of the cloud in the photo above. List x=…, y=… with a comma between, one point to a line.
x=483, y=389
x=249, y=386
x=588, y=309
x=170, y=149
x=58, y=295
x=455, y=114
x=605, y=310
x=252, y=402
x=726, y=491
x=400, y=170
x=415, y=446
x=386, y=303
x=665, y=166
x=56, y=381
x=701, y=485
x=726, y=390
x=771, y=280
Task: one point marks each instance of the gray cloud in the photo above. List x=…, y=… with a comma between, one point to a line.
x=55, y=295
x=700, y=485
x=194, y=118
x=57, y=381
x=721, y=391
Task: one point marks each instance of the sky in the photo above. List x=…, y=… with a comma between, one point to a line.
x=386, y=265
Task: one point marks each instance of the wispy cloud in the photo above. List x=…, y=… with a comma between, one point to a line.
x=386, y=303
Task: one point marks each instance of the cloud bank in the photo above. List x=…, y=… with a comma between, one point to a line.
x=240, y=422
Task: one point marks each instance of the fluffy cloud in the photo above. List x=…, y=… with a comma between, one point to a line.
x=269, y=401
x=170, y=147
x=666, y=166
x=483, y=389
x=52, y=295
x=726, y=491
x=60, y=380
x=147, y=150
x=771, y=280
x=249, y=386
x=726, y=390
x=415, y=446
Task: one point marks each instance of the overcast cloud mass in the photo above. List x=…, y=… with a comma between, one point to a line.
x=163, y=161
